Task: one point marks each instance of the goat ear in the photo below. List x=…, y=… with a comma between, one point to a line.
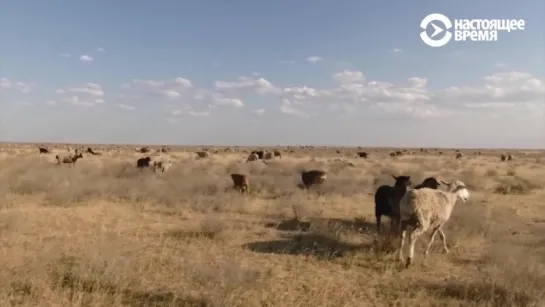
x=393, y=176
x=444, y=182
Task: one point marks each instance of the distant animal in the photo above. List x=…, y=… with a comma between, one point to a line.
x=241, y=183
x=161, y=165
x=91, y=151
x=252, y=157
x=313, y=177
x=399, y=152
x=268, y=156
x=387, y=200
x=203, y=154
x=277, y=154
x=164, y=149
x=363, y=154
x=425, y=209
x=43, y=150
x=144, y=149
x=430, y=183
x=259, y=153
x=393, y=154
x=143, y=162
x=69, y=159
x=503, y=157
x=459, y=155
x=510, y=157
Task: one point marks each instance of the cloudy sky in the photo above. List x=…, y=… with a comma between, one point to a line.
x=321, y=72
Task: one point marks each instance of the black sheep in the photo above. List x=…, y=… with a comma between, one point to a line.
x=387, y=199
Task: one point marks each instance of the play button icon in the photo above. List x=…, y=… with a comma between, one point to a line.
x=436, y=30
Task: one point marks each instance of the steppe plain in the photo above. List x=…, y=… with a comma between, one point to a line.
x=103, y=233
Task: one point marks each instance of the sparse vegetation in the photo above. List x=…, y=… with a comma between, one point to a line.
x=105, y=233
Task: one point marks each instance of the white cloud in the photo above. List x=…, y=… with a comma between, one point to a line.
x=315, y=59
x=22, y=87
x=188, y=110
x=100, y=101
x=91, y=89
x=396, y=50
x=286, y=108
x=219, y=100
x=126, y=107
x=86, y=58
x=172, y=88
x=100, y=49
x=259, y=112
x=260, y=85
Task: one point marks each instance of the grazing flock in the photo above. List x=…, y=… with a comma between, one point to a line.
x=412, y=210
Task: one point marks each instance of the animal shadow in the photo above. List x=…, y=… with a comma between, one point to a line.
x=358, y=225
x=321, y=246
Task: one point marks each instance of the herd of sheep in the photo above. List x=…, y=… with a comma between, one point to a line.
x=414, y=209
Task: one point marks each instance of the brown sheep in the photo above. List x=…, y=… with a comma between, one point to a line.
x=459, y=155
x=203, y=154
x=70, y=159
x=503, y=157
x=241, y=183
x=363, y=154
x=392, y=154
x=259, y=153
x=313, y=177
x=277, y=154
x=252, y=157
x=510, y=157
x=143, y=162
x=43, y=150
x=268, y=156
x=144, y=149
x=91, y=151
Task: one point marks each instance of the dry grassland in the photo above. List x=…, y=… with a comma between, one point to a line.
x=105, y=234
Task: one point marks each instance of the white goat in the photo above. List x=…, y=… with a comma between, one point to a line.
x=161, y=165
x=426, y=208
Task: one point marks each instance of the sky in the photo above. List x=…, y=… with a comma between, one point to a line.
x=241, y=72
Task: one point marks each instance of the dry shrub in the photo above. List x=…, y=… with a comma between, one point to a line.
x=515, y=185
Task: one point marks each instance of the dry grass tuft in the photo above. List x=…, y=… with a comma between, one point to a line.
x=103, y=233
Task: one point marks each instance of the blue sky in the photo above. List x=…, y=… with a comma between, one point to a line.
x=277, y=61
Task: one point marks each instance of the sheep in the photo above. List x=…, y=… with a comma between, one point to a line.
x=165, y=149
x=203, y=154
x=429, y=182
x=510, y=157
x=241, y=183
x=259, y=153
x=503, y=157
x=43, y=150
x=161, y=165
x=91, y=151
x=252, y=157
x=70, y=159
x=268, y=156
x=277, y=154
x=425, y=208
x=392, y=154
x=143, y=150
x=363, y=154
x=387, y=200
x=313, y=177
x=459, y=155
x=143, y=162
